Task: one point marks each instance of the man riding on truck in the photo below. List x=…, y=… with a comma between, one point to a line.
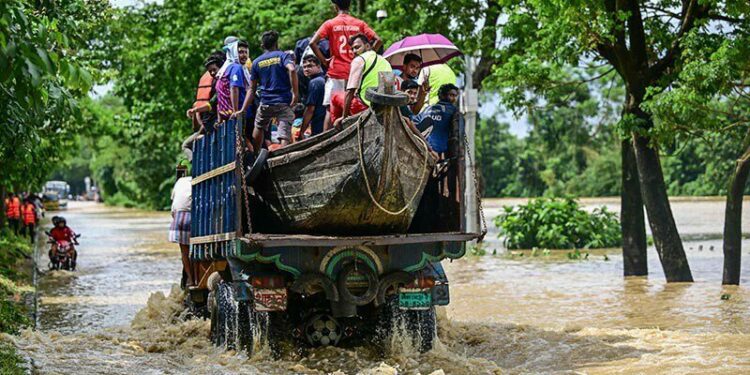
x=363, y=75
x=338, y=31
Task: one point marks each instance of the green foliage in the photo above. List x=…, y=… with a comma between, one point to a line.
x=12, y=317
x=497, y=157
x=477, y=250
x=577, y=255
x=558, y=224
x=42, y=74
x=12, y=249
x=12, y=314
x=10, y=362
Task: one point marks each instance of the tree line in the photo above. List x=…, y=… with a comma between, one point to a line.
x=640, y=99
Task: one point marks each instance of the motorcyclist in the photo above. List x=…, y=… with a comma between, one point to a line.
x=62, y=234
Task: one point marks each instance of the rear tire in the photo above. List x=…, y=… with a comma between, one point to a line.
x=396, y=100
x=418, y=326
x=252, y=327
x=223, y=317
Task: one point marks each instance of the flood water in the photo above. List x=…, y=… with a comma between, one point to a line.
x=511, y=312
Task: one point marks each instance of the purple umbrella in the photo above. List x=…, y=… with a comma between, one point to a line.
x=433, y=48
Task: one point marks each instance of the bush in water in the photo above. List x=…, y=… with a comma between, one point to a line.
x=558, y=224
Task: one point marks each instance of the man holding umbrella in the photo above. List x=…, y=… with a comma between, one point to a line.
x=433, y=51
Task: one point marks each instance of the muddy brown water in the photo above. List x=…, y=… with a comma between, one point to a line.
x=510, y=312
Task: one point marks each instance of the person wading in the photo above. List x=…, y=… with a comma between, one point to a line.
x=13, y=212
x=179, y=230
x=28, y=211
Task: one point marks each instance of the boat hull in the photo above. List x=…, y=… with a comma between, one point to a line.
x=319, y=186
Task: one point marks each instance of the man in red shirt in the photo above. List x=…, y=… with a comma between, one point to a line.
x=338, y=31
x=62, y=234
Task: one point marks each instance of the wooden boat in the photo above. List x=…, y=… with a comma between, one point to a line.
x=320, y=185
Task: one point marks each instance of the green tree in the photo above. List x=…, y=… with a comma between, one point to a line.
x=42, y=74
x=643, y=42
x=497, y=153
x=710, y=99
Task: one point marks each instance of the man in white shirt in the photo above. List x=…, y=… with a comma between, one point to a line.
x=179, y=230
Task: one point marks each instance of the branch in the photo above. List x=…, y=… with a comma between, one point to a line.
x=663, y=11
x=637, y=36
x=581, y=82
x=488, y=32
x=692, y=12
x=719, y=17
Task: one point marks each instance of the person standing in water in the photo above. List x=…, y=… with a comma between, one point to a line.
x=179, y=230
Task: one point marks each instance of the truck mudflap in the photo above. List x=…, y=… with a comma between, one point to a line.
x=440, y=292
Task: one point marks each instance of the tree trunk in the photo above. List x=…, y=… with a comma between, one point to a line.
x=654, y=192
x=632, y=221
x=733, y=217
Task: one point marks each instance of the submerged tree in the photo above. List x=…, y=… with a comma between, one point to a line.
x=711, y=99
x=643, y=42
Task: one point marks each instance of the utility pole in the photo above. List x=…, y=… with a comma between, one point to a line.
x=470, y=107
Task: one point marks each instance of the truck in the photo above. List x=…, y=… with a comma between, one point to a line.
x=334, y=240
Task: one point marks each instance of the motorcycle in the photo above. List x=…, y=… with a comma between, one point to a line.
x=65, y=257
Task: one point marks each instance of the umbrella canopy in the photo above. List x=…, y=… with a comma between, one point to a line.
x=433, y=48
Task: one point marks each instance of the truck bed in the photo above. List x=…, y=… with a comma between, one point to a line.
x=282, y=240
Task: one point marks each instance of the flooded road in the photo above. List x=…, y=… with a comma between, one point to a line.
x=512, y=312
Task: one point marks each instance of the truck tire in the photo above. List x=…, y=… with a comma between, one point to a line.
x=257, y=167
x=372, y=284
x=252, y=327
x=223, y=317
x=394, y=100
x=418, y=326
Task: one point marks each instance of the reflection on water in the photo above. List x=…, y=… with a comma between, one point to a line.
x=508, y=314
x=123, y=258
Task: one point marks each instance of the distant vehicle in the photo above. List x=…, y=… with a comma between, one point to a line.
x=55, y=195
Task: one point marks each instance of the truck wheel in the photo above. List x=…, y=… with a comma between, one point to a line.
x=395, y=100
x=418, y=326
x=223, y=317
x=257, y=167
x=252, y=327
x=372, y=283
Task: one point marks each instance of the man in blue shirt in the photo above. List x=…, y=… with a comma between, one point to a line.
x=231, y=86
x=441, y=114
x=315, y=111
x=273, y=74
x=411, y=88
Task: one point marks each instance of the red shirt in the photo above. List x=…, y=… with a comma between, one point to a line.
x=338, y=30
x=62, y=234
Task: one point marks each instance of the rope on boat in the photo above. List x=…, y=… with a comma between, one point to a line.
x=364, y=171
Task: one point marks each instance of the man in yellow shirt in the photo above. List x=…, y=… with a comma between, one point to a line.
x=436, y=76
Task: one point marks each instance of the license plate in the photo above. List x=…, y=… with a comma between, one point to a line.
x=270, y=299
x=414, y=299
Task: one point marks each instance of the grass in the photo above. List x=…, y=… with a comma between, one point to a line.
x=10, y=362
x=14, y=269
